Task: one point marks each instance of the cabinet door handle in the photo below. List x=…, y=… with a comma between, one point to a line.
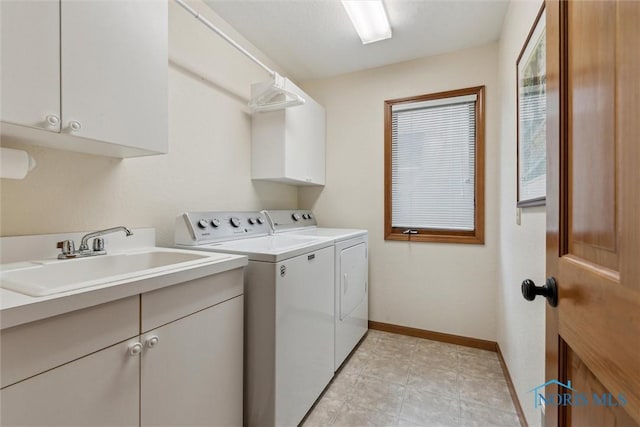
x=152, y=341
x=75, y=125
x=53, y=120
x=135, y=349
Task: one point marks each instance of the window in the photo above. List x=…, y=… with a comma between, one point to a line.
x=434, y=167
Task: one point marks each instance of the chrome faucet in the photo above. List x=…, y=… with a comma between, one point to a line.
x=68, y=247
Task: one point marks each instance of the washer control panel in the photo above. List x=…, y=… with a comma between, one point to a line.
x=291, y=219
x=197, y=228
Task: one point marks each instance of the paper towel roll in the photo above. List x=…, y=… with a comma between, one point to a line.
x=15, y=164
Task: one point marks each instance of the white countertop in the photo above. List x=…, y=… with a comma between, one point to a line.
x=17, y=308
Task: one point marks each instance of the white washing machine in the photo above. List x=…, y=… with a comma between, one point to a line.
x=351, y=274
x=289, y=310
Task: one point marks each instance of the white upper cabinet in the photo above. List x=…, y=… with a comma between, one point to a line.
x=289, y=145
x=96, y=82
x=31, y=63
x=117, y=53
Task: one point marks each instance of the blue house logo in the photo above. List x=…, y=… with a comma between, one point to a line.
x=568, y=396
x=539, y=398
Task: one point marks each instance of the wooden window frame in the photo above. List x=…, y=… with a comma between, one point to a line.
x=475, y=236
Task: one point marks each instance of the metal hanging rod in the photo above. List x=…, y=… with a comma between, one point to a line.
x=228, y=39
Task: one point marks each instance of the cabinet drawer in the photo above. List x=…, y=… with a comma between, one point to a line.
x=168, y=304
x=35, y=347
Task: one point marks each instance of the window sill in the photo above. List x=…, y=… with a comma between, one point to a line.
x=437, y=238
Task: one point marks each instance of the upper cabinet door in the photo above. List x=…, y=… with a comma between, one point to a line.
x=289, y=145
x=30, y=63
x=305, y=143
x=114, y=71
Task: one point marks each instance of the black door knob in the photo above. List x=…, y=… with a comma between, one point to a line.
x=549, y=291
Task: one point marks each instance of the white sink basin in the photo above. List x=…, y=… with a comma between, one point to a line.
x=41, y=278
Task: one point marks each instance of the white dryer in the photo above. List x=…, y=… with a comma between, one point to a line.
x=289, y=309
x=351, y=274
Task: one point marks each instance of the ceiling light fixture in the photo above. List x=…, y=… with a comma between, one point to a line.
x=369, y=19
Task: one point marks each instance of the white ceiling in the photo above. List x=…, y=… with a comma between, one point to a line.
x=315, y=39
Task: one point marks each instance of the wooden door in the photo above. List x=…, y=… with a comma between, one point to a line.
x=593, y=211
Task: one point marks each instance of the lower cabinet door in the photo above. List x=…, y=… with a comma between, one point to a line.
x=191, y=369
x=100, y=389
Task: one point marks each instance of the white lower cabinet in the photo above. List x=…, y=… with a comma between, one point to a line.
x=97, y=390
x=192, y=376
x=186, y=369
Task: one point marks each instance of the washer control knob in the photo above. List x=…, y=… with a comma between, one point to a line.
x=215, y=222
x=251, y=221
x=295, y=216
x=309, y=216
x=260, y=220
x=235, y=222
x=305, y=216
x=202, y=223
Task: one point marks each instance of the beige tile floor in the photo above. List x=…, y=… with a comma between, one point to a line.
x=395, y=380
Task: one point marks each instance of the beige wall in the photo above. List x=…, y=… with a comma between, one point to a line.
x=207, y=168
x=522, y=247
x=439, y=287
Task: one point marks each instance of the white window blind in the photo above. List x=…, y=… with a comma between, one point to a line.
x=533, y=155
x=433, y=164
